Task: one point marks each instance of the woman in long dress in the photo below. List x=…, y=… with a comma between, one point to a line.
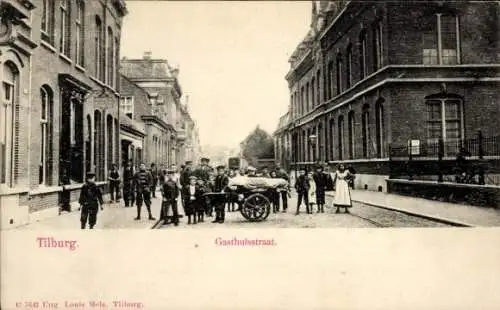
x=342, y=194
x=311, y=192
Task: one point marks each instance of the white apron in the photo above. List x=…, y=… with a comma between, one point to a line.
x=342, y=193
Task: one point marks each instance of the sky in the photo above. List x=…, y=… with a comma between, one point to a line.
x=232, y=56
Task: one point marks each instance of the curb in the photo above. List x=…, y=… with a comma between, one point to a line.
x=425, y=216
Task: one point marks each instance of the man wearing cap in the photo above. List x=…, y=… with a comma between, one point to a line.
x=170, y=192
x=128, y=184
x=142, y=183
x=154, y=180
x=320, y=179
x=220, y=184
x=90, y=199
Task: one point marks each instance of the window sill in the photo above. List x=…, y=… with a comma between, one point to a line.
x=72, y=186
x=80, y=68
x=65, y=58
x=48, y=46
x=5, y=190
x=43, y=189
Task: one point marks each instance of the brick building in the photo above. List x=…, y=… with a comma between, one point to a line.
x=282, y=151
x=168, y=121
x=370, y=76
x=60, y=88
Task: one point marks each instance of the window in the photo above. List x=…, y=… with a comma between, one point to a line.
x=306, y=103
x=441, y=41
x=47, y=27
x=362, y=54
x=116, y=63
x=9, y=125
x=379, y=124
x=330, y=80
x=99, y=59
x=348, y=69
x=127, y=106
x=341, y=137
x=377, y=46
x=350, y=124
x=318, y=85
x=313, y=92
x=46, y=116
x=444, y=120
x=365, y=122
x=302, y=101
x=80, y=31
x=109, y=140
x=339, y=73
x=111, y=58
x=329, y=139
x=65, y=28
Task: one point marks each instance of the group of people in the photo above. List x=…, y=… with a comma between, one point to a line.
x=190, y=184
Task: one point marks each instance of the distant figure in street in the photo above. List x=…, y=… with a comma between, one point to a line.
x=90, y=199
x=302, y=188
x=265, y=172
x=128, y=184
x=220, y=184
x=170, y=192
x=142, y=183
x=251, y=172
x=162, y=174
x=342, y=194
x=321, y=181
x=154, y=180
x=114, y=184
x=352, y=176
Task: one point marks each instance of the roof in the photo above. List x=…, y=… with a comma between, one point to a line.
x=126, y=121
x=146, y=69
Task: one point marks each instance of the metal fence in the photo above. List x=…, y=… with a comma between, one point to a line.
x=478, y=146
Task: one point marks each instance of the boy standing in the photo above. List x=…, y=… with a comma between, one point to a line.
x=142, y=183
x=90, y=199
x=221, y=181
x=170, y=192
x=302, y=188
x=192, y=198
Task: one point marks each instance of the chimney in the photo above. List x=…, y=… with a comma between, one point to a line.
x=147, y=55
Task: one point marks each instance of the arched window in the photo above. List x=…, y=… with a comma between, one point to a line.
x=445, y=120
x=362, y=54
x=348, y=67
x=318, y=88
x=329, y=88
x=350, y=121
x=339, y=73
x=331, y=140
x=99, y=59
x=313, y=92
x=379, y=124
x=307, y=101
x=117, y=141
x=321, y=147
x=46, y=135
x=9, y=120
x=109, y=140
x=80, y=33
x=365, y=124
x=47, y=25
x=65, y=27
x=111, y=58
x=340, y=133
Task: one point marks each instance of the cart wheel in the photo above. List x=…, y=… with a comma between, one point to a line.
x=256, y=208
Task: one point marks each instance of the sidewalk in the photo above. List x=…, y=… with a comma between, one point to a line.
x=114, y=216
x=461, y=214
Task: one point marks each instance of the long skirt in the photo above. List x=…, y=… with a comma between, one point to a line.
x=342, y=195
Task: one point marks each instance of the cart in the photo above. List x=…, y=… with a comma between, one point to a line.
x=254, y=203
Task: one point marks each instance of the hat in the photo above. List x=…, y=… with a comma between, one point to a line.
x=220, y=167
x=188, y=162
x=90, y=174
x=205, y=159
x=170, y=171
x=193, y=177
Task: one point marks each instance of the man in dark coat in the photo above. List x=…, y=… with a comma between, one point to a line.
x=192, y=196
x=280, y=173
x=114, y=184
x=90, y=199
x=128, y=184
x=170, y=192
x=302, y=188
x=142, y=183
x=321, y=181
x=220, y=184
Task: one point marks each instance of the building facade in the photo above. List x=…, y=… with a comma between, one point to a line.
x=60, y=91
x=169, y=126
x=282, y=146
x=370, y=76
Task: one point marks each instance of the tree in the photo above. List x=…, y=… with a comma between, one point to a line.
x=258, y=145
